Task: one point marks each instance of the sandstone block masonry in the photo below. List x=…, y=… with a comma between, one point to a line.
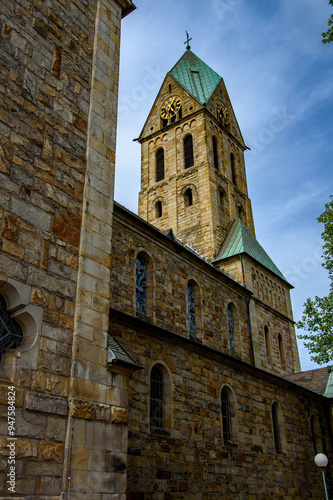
x=58, y=106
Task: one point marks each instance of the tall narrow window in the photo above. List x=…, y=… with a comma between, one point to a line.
x=313, y=433
x=158, y=209
x=267, y=342
x=231, y=327
x=191, y=309
x=276, y=428
x=156, y=398
x=281, y=349
x=160, y=165
x=226, y=417
x=216, y=162
x=188, y=198
x=11, y=334
x=188, y=152
x=141, y=284
x=232, y=165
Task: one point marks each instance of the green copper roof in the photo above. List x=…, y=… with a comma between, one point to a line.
x=240, y=240
x=195, y=76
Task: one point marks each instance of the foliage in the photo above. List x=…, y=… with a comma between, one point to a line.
x=328, y=36
x=317, y=317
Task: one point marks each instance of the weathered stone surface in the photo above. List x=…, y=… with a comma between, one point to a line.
x=50, y=451
x=46, y=403
x=119, y=415
x=82, y=409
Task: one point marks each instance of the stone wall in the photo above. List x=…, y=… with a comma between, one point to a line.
x=172, y=267
x=189, y=457
x=58, y=98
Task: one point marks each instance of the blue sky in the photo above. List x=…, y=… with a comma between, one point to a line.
x=279, y=77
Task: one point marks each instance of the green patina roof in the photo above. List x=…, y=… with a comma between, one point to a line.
x=195, y=76
x=240, y=240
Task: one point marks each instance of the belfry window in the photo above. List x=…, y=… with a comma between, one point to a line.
x=160, y=165
x=216, y=162
x=281, y=349
x=267, y=342
x=226, y=416
x=158, y=209
x=191, y=309
x=11, y=334
x=231, y=328
x=141, y=284
x=232, y=166
x=188, y=152
x=156, y=398
x=188, y=197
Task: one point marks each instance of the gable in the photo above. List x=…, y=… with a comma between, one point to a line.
x=240, y=240
x=169, y=88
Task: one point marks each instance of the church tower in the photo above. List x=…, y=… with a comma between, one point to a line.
x=193, y=181
x=193, y=177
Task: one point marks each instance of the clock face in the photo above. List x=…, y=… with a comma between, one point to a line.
x=170, y=107
x=222, y=112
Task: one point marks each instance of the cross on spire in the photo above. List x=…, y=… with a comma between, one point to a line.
x=187, y=41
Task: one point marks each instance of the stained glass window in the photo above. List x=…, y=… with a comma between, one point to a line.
x=231, y=330
x=226, y=420
x=276, y=430
x=10, y=331
x=188, y=152
x=191, y=309
x=156, y=398
x=141, y=284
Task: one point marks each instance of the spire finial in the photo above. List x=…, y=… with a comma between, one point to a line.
x=187, y=41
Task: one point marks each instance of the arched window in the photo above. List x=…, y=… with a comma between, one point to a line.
x=11, y=334
x=316, y=435
x=281, y=349
x=156, y=398
x=188, y=198
x=216, y=162
x=191, y=309
x=141, y=284
x=160, y=165
x=158, y=209
x=188, y=152
x=228, y=414
x=231, y=328
x=276, y=428
x=313, y=434
x=226, y=417
x=232, y=165
x=268, y=342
